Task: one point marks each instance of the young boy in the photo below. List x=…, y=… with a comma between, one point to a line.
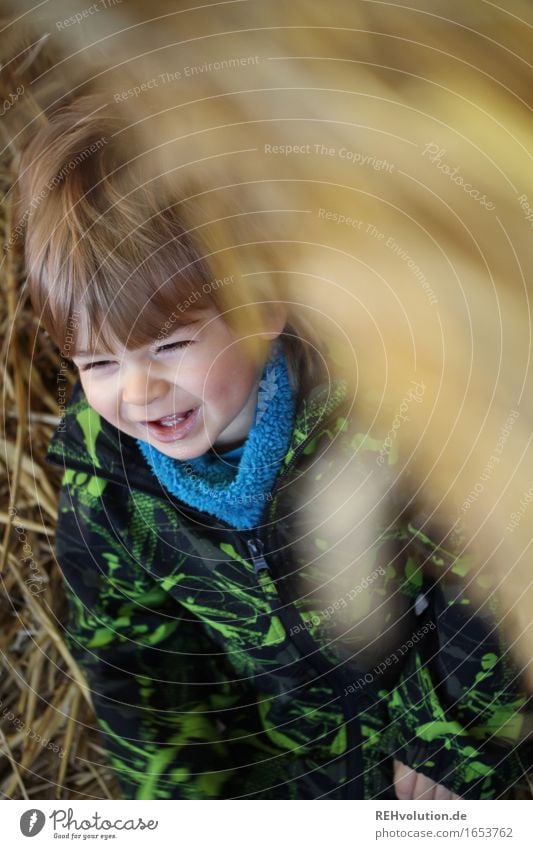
x=201, y=609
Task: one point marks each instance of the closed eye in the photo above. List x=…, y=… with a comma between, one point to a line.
x=90, y=366
x=173, y=346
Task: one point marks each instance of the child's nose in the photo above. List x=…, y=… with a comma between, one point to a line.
x=139, y=388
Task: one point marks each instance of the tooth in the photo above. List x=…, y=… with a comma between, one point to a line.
x=169, y=421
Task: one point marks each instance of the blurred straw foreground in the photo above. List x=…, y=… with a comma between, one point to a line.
x=49, y=747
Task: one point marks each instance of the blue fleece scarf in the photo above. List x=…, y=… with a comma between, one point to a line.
x=236, y=491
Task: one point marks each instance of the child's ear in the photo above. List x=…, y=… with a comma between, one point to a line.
x=274, y=320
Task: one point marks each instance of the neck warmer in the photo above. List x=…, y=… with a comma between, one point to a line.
x=236, y=492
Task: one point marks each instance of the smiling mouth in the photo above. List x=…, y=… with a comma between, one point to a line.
x=170, y=421
x=174, y=426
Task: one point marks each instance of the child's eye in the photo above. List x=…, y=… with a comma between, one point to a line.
x=173, y=346
x=90, y=366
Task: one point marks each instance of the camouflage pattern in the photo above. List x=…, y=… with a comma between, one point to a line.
x=218, y=663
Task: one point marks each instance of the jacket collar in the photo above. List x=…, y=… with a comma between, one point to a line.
x=86, y=442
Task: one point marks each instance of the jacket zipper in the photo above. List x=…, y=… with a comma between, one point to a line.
x=310, y=652
x=256, y=549
x=307, y=647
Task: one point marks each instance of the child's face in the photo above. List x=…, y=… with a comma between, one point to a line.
x=199, y=379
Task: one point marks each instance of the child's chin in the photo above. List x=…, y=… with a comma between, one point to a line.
x=180, y=451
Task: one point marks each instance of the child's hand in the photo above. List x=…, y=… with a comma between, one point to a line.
x=413, y=785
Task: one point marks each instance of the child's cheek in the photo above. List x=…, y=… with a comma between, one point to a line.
x=104, y=402
x=88, y=388
x=219, y=389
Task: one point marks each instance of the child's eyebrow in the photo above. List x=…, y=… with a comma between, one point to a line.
x=89, y=353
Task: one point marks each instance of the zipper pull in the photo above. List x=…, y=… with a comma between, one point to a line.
x=255, y=547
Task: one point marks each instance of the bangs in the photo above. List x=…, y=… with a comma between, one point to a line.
x=123, y=302
x=138, y=308
x=108, y=245
x=105, y=249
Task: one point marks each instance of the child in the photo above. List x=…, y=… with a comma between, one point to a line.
x=218, y=664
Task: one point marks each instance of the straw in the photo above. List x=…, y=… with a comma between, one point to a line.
x=42, y=690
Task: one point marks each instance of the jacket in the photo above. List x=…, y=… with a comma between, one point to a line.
x=222, y=664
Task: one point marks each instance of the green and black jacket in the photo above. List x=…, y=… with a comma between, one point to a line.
x=223, y=665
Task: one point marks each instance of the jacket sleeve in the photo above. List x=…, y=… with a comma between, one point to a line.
x=459, y=712
x=160, y=689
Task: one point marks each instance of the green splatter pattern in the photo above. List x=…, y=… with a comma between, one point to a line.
x=203, y=687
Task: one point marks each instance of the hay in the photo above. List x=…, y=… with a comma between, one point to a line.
x=47, y=728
